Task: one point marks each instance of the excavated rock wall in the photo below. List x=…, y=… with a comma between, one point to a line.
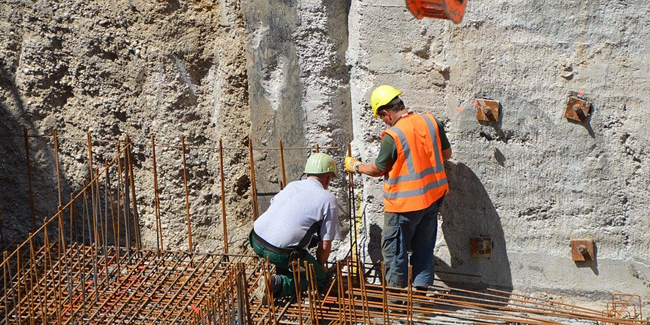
x=533, y=181
x=164, y=68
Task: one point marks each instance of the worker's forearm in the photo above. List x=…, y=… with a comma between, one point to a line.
x=446, y=154
x=323, y=251
x=370, y=170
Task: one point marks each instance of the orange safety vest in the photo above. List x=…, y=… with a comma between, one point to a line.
x=417, y=178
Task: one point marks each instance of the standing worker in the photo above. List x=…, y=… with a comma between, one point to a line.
x=300, y=211
x=411, y=159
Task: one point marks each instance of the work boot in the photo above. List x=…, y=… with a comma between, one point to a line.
x=262, y=294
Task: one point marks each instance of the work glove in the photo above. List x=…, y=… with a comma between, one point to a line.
x=352, y=165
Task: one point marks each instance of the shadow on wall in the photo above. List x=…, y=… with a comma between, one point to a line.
x=15, y=209
x=468, y=212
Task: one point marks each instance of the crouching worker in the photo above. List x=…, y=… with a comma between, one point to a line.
x=301, y=210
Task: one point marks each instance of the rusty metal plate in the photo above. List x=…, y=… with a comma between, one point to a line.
x=582, y=250
x=577, y=109
x=480, y=246
x=487, y=110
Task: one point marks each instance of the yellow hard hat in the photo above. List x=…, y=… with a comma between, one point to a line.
x=381, y=96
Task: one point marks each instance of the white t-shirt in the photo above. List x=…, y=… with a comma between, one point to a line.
x=294, y=210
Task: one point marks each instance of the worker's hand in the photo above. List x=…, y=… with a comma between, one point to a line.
x=351, y=165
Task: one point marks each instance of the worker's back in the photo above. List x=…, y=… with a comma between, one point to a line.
x=295, y=210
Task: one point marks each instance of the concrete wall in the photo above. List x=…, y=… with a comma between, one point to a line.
x=533, y=181
x=298, y=84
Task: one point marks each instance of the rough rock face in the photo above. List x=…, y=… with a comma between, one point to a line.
x=534, y=181
x=163, y=68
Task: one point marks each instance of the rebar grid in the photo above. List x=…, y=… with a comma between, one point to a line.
x=85, y=265
x=144, y=287
x=352, y=299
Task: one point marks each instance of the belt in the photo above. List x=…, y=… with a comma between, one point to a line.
x=270, y=247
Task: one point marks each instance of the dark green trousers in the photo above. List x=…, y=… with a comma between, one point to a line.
x=282, y=264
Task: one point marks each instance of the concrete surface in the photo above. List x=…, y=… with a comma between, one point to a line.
x=533, y=181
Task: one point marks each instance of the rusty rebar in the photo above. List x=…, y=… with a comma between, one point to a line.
x=159, y=239
x=352, y=213
x=223, y=199
x=56, y=164
x=295, y=270
x=187, y=197
x=136, y=217
x=122, y=194
x=32, y=269
x=18, y=287
x=32, y=209
x=252, y=175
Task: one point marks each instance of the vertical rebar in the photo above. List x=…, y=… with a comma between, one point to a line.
x=118, y=200
x=56, y=165
x=18, y=280
x=353, y=310
x=29, y=181
x=32, y=269
x=72, y=218
x=297, y=283
x=123, y=188
x=5, y=272
x=92, y=187
x=105, y=221
x=72, y=225
x=47, y=265
x=314, y=283
x=109, y=190
x=136, y=217
x=409, y=301
x=223, y=199
x=157, y=197
x=94, y=210
x=84, y=208
x=253, y=184
x=352, y=213
x=341, y=291
x=187, y=196
x=386, y=313
x=312, y=311
x=364, y=293
x=248, y=307
x=271, y=300
x=62, y=260
x=284, y=174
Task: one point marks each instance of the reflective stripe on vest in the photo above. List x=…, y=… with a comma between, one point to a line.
x=417, y=178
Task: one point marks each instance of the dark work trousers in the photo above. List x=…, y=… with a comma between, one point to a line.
x=410, y=231
x=282, y=264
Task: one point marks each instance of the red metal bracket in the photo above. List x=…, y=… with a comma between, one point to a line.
x=453, y=10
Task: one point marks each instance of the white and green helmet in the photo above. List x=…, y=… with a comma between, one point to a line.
x=320, y=163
